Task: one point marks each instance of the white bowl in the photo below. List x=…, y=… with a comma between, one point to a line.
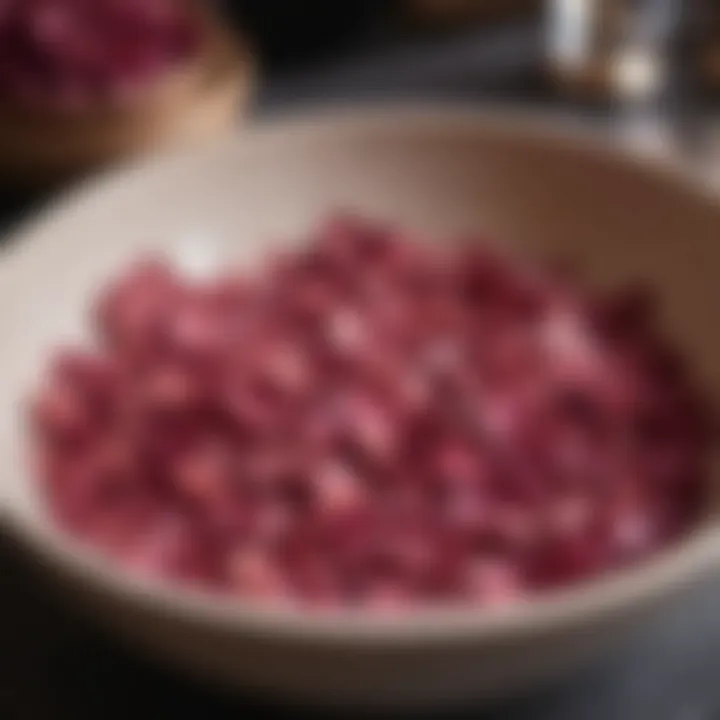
x=540, y=186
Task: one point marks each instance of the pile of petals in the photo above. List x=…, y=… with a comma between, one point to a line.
x=372, y=422
x=68, y=55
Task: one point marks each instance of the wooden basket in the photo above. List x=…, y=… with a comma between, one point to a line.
x=193, y=104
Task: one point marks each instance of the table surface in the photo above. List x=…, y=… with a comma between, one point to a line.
x=56, y=666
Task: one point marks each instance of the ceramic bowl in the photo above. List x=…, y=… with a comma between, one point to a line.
x=537, y=184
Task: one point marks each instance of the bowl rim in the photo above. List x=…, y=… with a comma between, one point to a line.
x=680, y=565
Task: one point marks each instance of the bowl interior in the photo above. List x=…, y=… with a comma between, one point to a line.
x=443, y=174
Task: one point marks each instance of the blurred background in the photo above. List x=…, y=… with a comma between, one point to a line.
x=652, y=61
x=650, y=67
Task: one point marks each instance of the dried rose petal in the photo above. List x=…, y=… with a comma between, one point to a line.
x=372, y=422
